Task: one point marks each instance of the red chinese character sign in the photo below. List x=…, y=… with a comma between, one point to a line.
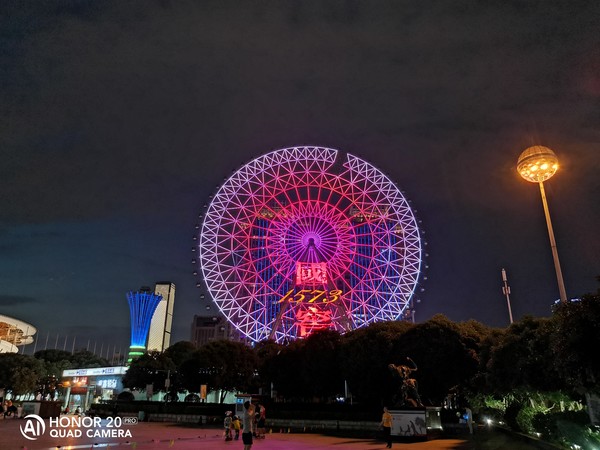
x=312, y=273
x=307, y=238
x=312, y=319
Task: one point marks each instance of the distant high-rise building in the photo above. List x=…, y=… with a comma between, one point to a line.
x=210, y=328
x=159, y=336
x=142, y=305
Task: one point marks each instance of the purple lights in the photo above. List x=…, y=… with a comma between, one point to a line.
x=293, y=242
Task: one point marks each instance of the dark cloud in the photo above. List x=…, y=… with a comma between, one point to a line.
x=117, y=105
x=14, y=300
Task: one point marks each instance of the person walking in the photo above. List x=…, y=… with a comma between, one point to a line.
x=386, y=424
x=227, y=425
x=247, y=421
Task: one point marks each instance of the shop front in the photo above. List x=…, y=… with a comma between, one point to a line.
x=82, y=387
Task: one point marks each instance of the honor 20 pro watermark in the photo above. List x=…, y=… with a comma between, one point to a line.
x=76, y=427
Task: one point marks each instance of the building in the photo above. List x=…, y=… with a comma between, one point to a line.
x=159, y=335
x=86, y=386
x=142, y=305
x=14, y=333
x=210, y=328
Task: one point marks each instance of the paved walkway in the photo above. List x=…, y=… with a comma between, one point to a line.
x=161, y=436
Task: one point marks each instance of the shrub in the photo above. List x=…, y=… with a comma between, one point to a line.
x=567, y=427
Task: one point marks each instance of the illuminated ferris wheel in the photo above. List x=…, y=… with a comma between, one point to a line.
x=297, y=241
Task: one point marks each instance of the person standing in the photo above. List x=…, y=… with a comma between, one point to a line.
x=260, y=423
x=236, y=427
x=227, y=425
x=469, y=418
x=247, y=421
x=386, y=424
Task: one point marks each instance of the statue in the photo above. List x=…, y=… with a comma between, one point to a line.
x=408, y=394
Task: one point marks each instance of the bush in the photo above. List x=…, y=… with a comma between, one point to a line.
x=125, y=396
x=567, y=427
x=525, y=417
x=510, y=415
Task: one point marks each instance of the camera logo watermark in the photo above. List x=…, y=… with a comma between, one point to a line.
x=34, y=427
x=76, y=427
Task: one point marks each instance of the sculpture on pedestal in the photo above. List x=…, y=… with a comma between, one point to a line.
x=407, y=394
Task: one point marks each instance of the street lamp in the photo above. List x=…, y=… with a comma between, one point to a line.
x=506, y=292
x=537, y=164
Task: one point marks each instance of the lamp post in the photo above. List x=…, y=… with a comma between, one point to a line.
x=506, y=292
x=537, y=164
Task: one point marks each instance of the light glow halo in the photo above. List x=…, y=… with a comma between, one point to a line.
x=296, y=205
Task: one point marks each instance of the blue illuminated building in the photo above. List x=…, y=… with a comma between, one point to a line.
x=142, y=305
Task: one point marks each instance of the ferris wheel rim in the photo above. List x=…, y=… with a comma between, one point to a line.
x=236, y=204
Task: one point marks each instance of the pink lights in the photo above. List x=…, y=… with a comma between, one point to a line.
x=293, y=224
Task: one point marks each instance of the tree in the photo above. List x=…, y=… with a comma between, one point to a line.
x=180, y=351
x=446, y=358
x=221, y=365
x=286, y=365
x=523, y=360
x=307, y=369
x=54, y=361
x=575, y=342
x=266, y=354
x=20, y=373
x=150, y=368
x=86, y=359
x=322, y=365
x=365, y=356
x=194, y=372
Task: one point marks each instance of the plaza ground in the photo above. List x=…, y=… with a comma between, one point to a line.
x=146, y=436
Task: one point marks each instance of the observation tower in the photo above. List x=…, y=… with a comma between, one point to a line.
x=142, y=305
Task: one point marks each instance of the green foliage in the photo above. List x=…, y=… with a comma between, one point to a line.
x=321, y=368
x=194, y=372
x=285, y=366
x=87, y=359
x=56, y=361
x=42, y=372
x=20, y=373
x=365, y=356
x=445, y=353
x=577, y=332
x=525, y=417
x=150, y=368
x=268, y=369
x=221, y=365
x=180, y=352
x=125, y=396
x=567, y=428
x=522, y=360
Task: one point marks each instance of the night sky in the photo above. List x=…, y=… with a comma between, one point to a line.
x=120, y=119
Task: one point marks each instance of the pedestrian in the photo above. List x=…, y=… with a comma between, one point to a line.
x=260, y=423
x=386, y=424
x=247, y=425
x=469, y=418
x=236, y=426
x=11, y=410
x=227, y=425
